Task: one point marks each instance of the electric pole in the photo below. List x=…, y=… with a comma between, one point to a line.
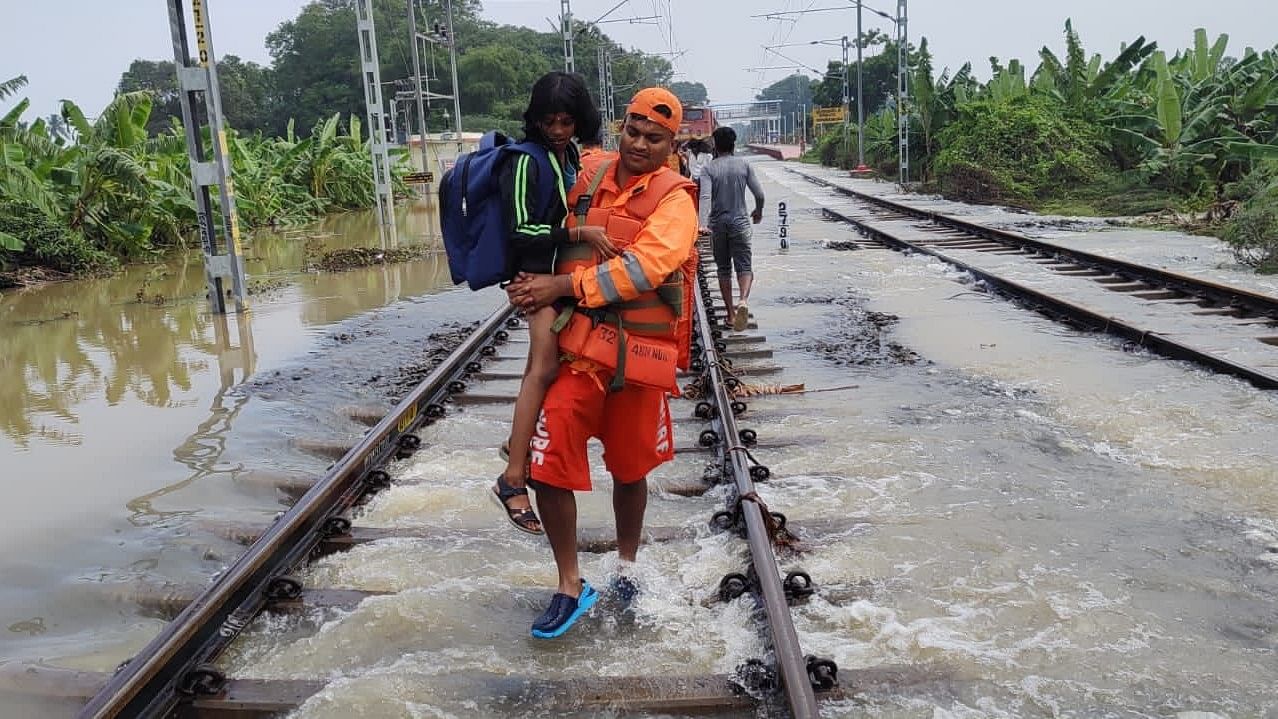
x=602, y=56
x=222, y=256
x=375, y=109
x=860, y=45
x=860, y=97
x=417, y=80
x=846, y=96
x=444, y=35
x=903, y=90
x=452, y=62
x=565, y=19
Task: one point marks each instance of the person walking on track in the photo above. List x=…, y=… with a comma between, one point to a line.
x=619, y=344
x=535, y=194
x=724, y=182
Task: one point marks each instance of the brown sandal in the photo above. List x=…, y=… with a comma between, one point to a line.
x=525, y=520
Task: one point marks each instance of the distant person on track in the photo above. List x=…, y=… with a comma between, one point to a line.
x=559, y=109
x=724, y=181
x=676, y=160
x=699, y=156
x=609, y=388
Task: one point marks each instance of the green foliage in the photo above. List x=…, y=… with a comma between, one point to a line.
x=119, y=186
x=512, y=124
x=794, y=92
x=12, y=85
x=248, y=94
x=246, y=89
x=316, y=62
x=878, y=78
x=48, y=243
x=10, y=243
x=498, y=80
x=830, y=150
x=159, y=79
x=690, y=93
x=119, y=192
x=1147, y=130
x=1018, y=151
x=1252, y=232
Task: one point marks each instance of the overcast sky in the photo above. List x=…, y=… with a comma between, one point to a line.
x=78, y=48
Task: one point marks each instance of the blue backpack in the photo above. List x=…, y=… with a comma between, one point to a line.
x=472, y=216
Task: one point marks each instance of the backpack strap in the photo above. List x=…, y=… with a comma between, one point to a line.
x=586, y=198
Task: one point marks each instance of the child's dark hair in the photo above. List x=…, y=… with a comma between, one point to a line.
x=560, y=92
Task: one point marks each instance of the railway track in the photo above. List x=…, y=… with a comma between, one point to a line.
x=182, y=671
x=1149, y=307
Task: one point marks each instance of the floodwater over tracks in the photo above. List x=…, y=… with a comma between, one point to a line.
x=1035, y=520
x=1067, y=526
x=124, y=414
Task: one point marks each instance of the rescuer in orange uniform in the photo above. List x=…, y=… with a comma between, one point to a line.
x=619, y=344
x=592, y=153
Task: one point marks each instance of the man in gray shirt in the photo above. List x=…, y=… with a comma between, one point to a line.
x=723, y=216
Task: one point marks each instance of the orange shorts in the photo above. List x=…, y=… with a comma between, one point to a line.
x=633, y=424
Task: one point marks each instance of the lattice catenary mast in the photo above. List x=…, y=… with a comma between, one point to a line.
x=371, y=74
x=222, y=256
x=903, y=89
x=565, y=19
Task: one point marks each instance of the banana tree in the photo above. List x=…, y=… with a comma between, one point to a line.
x=881, y=139
x=936, y=101
x=1174, y=128
x=1007, y=83
x=1080, y=84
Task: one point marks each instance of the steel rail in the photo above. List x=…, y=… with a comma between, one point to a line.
x=785, y=641
x=149, y=684
x=1160, y=344
x=1254, y=302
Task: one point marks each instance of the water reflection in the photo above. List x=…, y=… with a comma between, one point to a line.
x=202, y=450
x=143, y=334
x=64, y=343
x=334, y=297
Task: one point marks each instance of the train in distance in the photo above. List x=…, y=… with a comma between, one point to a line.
x=698, y=123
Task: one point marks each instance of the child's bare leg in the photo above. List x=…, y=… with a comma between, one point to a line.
x=541, y=369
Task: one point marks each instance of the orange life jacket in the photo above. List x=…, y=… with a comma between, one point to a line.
x=646, y=339
x=591, y=158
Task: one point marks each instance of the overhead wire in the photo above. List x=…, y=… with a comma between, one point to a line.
x=780, y=35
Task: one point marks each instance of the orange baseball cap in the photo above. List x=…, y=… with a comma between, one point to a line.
x=645, y=102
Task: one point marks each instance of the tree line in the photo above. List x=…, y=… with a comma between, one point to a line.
x=315, y=71
x=1195, y=131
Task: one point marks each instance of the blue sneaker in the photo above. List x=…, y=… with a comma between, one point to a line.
x=563, y=612
x=624, y=588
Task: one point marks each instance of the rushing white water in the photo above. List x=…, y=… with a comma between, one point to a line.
x=1035, y=521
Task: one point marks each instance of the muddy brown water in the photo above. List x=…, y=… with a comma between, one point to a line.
x=1055, y=526
x=127, y=409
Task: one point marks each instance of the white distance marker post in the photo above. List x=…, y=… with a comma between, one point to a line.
x=783, y=232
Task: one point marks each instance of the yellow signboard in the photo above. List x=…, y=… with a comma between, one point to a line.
x=822, y=115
